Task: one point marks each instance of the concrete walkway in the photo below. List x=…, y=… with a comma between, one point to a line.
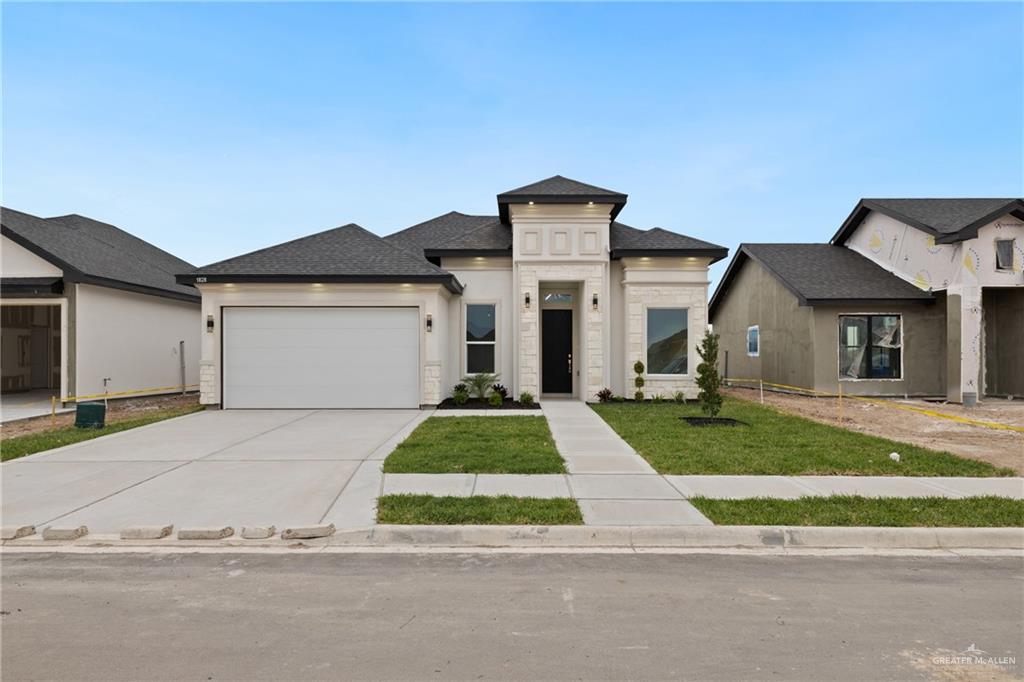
x=15, y=406
x=616, y=486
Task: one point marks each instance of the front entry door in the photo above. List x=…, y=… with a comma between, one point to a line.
x=556, y=350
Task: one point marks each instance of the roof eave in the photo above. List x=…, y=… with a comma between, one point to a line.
x=714, y=254
x=450, y=282
x=449, y=253
x=618, y=201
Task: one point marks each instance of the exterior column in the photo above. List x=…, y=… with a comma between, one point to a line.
x=529, y=332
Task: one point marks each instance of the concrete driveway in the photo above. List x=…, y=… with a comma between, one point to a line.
x=215, y=468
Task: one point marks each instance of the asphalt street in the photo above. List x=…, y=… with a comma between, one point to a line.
x=509, y=616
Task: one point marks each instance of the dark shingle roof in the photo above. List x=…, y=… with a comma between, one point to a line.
x=560, y=190
x=821, y=273
x=343, y=254
x=629, y=241
x=560, y=186
x=92, y=252
x=493, y=238
x=949, y=220
x=431, y=234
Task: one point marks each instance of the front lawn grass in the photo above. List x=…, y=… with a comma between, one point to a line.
x=477, y=445
x=500, y=510
x=772, y=443
x=843, y=510
x=19, y=446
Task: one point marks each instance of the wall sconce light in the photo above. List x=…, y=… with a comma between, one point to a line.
x=527, y=299
x=209, y=324
x=430, y=324
x=594, y=301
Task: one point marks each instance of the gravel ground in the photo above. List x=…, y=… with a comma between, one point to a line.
x=117, y=410
x=998, y=447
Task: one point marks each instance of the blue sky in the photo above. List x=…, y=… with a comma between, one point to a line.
x=214, y=129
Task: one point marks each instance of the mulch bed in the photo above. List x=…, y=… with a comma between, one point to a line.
x=713, y=421
x=477, y=404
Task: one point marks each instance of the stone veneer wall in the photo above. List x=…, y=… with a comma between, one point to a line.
x=638, y=297
x=592, y=378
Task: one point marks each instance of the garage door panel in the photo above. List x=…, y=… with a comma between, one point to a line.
x=321, y=357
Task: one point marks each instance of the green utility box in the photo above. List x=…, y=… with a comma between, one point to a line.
x=90, y=415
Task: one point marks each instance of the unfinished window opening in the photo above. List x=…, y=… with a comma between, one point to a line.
x=481, y=339
x=1004, y=254
x=870, y=347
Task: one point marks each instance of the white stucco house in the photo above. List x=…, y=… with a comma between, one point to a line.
x=87, y=307
x=552, y=293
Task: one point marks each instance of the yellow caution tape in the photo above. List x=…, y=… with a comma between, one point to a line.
x=889, y=403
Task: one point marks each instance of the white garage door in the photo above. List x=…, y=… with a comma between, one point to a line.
x=321, y=357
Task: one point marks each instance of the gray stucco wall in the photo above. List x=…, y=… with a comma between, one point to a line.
x=786, y=330
x=1004, y=340
x=924, y=349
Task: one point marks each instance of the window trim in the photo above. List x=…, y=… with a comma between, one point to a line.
x=497, y=335
x=646, y=346
x=839, y=338
x=756, y=353
x=995, y=245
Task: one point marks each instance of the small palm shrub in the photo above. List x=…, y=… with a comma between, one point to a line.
x=480, y=384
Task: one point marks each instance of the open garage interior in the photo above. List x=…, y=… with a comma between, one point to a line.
x=1003, y=314
x=30, y=349
x=321, y=357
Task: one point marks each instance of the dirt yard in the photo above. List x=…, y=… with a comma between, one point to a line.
x=117, y=410
x=999, y=447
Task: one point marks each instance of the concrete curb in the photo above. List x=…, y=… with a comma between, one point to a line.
x=596, y=537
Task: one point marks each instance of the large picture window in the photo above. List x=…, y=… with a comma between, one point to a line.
x=481, y=337
x=870, y=347
x=666, y=340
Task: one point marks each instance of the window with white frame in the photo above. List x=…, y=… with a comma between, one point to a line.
x=870, y=347
x=753, y=341
x=481, y=337
x=1004, y=254
x=667, y=340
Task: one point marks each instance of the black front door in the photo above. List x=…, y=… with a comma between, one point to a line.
x=556, y=351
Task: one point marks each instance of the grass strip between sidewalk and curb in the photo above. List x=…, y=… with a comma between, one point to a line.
x=477, y=445
x=843, y=510
x=500, y=510
x=29, y=444
x=771, y=442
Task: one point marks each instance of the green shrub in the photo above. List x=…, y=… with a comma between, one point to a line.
x=679, y=397
x=708, y=377
x=638, y=396
x=480, y=384
x=618, y=398
x=657, y=398
x=495, y=399
x=460, y=397
x=526, y=398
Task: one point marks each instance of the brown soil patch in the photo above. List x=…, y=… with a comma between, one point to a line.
x=117, y=410
x=999, y=447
